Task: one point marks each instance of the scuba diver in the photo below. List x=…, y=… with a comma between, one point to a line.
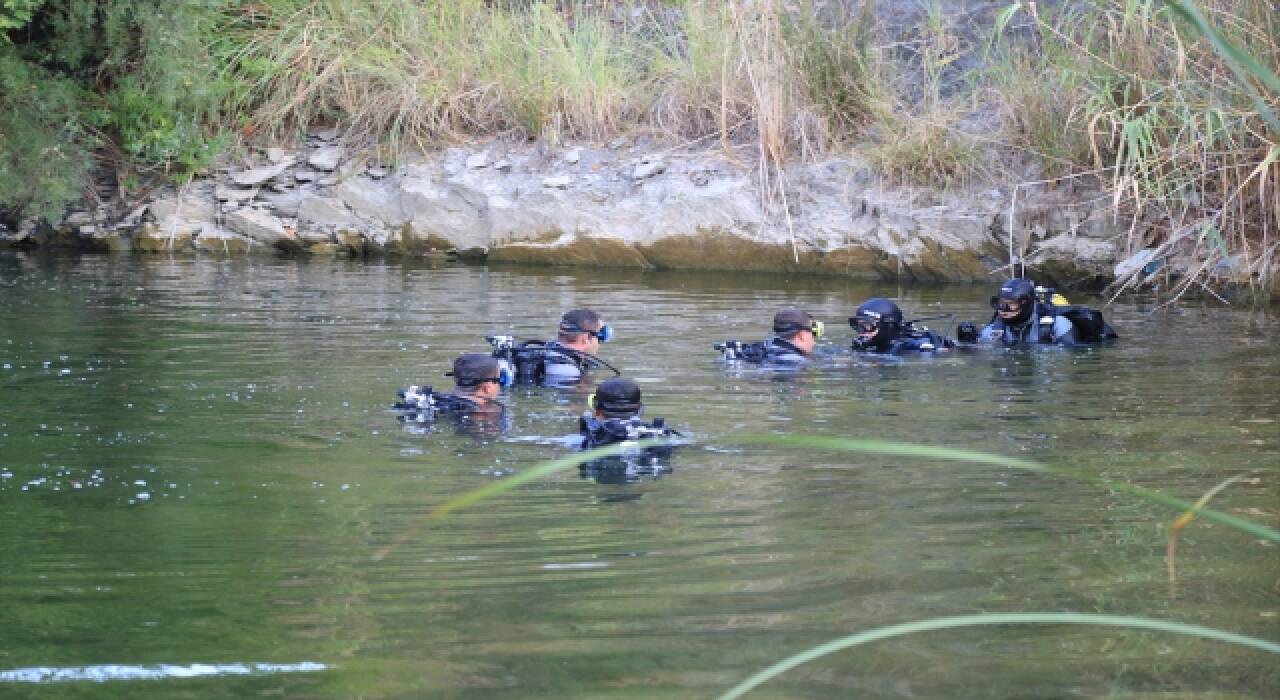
x=881, y=330
x=614, y=416
x=564, y=360
x=478, y=379
x=795, y=334
x=1025, y=313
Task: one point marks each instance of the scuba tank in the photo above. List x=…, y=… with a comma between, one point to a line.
x=415, y=398
x=598, y=432
x=527, y=359
x=738, y=351
x=421, y=403
x=1090, y=326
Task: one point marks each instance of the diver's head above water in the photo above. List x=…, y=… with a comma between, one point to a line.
x=478, y=376
x=797, y=328
x=583, y=330
x=877, y=322
x=617, y=397
x=1015, y=301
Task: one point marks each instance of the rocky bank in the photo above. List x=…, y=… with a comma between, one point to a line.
x=619, y=204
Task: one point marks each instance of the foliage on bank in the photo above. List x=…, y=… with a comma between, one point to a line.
x=1127, y=93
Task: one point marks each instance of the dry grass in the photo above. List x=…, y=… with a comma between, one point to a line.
x=1122, y=89
x=1171, y=126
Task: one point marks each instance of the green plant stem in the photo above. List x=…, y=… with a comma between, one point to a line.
x=961, y=455
x=503, y=485
x=1035, y=618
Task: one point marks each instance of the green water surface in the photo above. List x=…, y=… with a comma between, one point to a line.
x=197, y=466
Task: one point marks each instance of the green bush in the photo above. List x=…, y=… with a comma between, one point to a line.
x=119, y=84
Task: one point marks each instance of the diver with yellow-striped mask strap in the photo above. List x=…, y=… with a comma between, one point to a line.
x=1025, y=313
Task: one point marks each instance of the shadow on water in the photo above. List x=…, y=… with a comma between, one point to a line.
x=203, y=463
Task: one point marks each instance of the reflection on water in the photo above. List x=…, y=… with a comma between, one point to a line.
x=199, y=463
x=113, y=672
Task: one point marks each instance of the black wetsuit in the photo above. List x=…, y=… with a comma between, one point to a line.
x=773, y=351
x=631, y=465
x=914, y=341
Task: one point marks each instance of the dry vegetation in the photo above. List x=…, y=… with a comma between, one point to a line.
x=1124, y=90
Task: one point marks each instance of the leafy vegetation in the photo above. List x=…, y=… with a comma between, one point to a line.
x=126, y=87
x=1169, y=104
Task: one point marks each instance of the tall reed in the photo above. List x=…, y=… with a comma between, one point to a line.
x=1177, y=129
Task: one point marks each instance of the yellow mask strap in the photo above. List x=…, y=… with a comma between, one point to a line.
x=817, y=329
x=591, y=402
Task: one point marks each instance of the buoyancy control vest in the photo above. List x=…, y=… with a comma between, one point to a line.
x=425, y=402
x=773, y=350
x=529, y=359
x=912, y=338
x=599, y=432
x=1086, y=324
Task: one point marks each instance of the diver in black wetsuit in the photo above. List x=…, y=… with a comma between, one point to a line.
x=564, y=360
x=1026, y=314
x=881, y=330
x=795, y=334
x=614, y=416
x=478, y=379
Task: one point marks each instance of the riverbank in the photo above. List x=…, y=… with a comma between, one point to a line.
x=1096, y=144
x=622, y=204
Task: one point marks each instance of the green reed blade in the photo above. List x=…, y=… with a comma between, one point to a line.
x=539, y=471
x=1238, y=59
x=1058, y=618
x=961, y=455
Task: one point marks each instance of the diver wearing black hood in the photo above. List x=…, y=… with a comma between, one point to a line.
x=881, y=330
x=1025, y=313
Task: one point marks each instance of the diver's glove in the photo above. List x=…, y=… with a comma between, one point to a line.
x=967, y=332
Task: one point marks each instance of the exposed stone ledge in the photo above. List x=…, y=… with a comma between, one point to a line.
x=614, y=206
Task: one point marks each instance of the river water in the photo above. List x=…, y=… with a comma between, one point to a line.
x=204, y=494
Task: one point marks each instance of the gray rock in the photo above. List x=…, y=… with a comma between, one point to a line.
x=277, y=155
x=326, y=158
x=306, y=175
x=558, y=182
x=479, y=160
x=1133, y=264
x=502, y=164
x=223, y=193
x=257, y=176
x=77, y=218
x=370, y=200
x=284, y=204
x=377, y=173
x=183, y=215
x=323, y=134
x=648, y=168
x=450, y=211
x=258, y=226
x=326, y=211
x=572, y=156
